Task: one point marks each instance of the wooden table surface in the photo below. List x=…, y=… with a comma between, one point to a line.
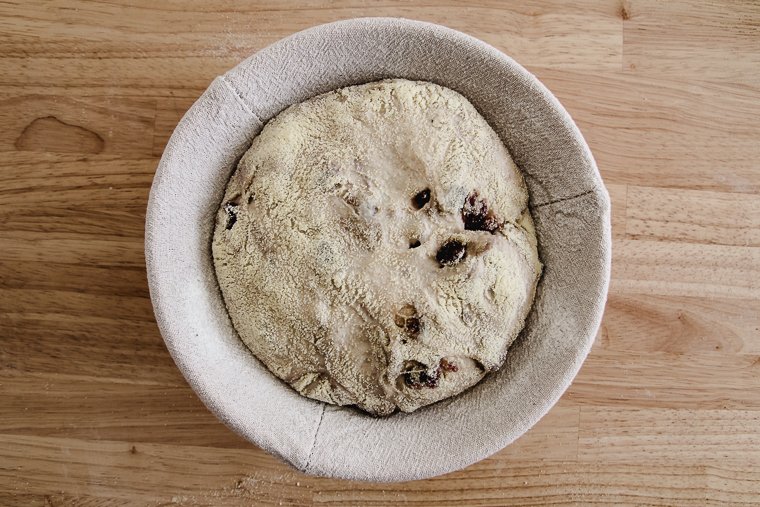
x=666, y=409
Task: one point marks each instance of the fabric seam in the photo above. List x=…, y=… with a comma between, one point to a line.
x=314, y=441
x=239, y=97
x=564, y=199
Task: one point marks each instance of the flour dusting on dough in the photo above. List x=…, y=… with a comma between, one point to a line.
x=374, y=246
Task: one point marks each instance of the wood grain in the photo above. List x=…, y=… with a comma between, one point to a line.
x=54, y=124
x=666, y=409
x=659, y=131
x=694, y=216
x=661, y=38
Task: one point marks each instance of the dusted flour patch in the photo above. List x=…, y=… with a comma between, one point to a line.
x=374, y=246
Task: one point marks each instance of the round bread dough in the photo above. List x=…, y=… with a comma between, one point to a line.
x=374, y=246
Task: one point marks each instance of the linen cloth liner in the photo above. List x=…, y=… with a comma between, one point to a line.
x=569, y=203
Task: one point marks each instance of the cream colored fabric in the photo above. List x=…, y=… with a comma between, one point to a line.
x=568, y=201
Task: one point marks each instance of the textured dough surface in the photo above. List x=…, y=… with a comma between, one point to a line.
x=374, y=246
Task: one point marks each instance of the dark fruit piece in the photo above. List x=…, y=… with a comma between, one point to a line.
x=447, y=366
x=231, y=210
x=421, y=199
x=451, y=252
x=414, y=244
x=417, y=376
x=412, y=325
x=407, y=319
x=477, y=216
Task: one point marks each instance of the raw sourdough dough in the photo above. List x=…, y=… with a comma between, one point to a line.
x=336, y=280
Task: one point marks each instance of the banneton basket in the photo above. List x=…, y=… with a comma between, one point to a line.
x=569, y=203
